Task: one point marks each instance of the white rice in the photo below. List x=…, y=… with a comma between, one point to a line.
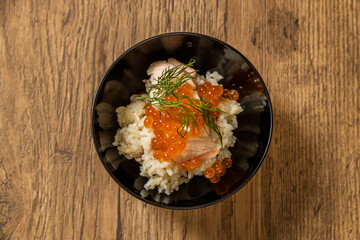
x=134, y=141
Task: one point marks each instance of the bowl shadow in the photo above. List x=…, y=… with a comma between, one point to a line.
x=277, y=204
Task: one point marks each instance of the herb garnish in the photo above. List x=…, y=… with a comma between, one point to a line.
x=188, y=110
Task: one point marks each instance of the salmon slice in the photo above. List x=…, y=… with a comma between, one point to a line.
x=156, y=69
x=176, y=63
x=190, y=70
x=202, y=146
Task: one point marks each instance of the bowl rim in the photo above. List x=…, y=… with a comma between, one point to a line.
x=93, y=113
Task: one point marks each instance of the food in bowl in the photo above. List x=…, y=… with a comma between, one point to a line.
x=180, y=128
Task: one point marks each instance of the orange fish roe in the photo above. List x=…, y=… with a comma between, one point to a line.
x=227, y=162
x=169, y=128
x=167, y=157
x=181, y=144
x=186, y=89
x=165, y=144
x=155, y=143
x=209, y=172
x=173, y=151
x=210, y=93
x=185, y=165
x=190, y=164
x=233, y=95
x=195, y=162
x=158, y=124
x=171, y=138
x=226, y=93
x=215, y=179
x=159, y=155
x=152, y=112
x=148, y=122
x=170, y=98
x=201, y=90
x=217, y=170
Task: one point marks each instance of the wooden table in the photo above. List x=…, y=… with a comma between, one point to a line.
x=53, y=55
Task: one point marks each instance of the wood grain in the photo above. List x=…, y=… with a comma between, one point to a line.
x=52, y=56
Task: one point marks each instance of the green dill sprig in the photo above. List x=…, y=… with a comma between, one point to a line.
x=167, y=85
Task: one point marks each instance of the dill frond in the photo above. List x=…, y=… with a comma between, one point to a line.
x=167, y=85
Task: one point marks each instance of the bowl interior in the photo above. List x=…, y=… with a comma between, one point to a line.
x=125, y=78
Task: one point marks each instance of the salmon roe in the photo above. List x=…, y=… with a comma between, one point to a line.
x=215, y=179
x=209, y=172
x=227, y=162
x=167, y=142
x=231, y=94
x=185, y=165
x=170, y=138
x=167, y=157
x=210, y=93
x=148, y=122
x=195, y=162
x=159, y=155
x=155, y=143
x=217, y=170
x=186, y=88
x=190, y=164
x=226, y=93
x=152, y=112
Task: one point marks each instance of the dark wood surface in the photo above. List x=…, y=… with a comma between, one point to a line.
x=52, y=56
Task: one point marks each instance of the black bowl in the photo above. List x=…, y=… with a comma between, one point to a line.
x=125, y=78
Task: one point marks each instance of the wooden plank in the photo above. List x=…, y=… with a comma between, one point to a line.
x=53, y=54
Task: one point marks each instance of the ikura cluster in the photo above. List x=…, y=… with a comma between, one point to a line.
x=214, y=93
x=170, y=138
x=217, y=170
x=167, y=143
x=182, y=125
